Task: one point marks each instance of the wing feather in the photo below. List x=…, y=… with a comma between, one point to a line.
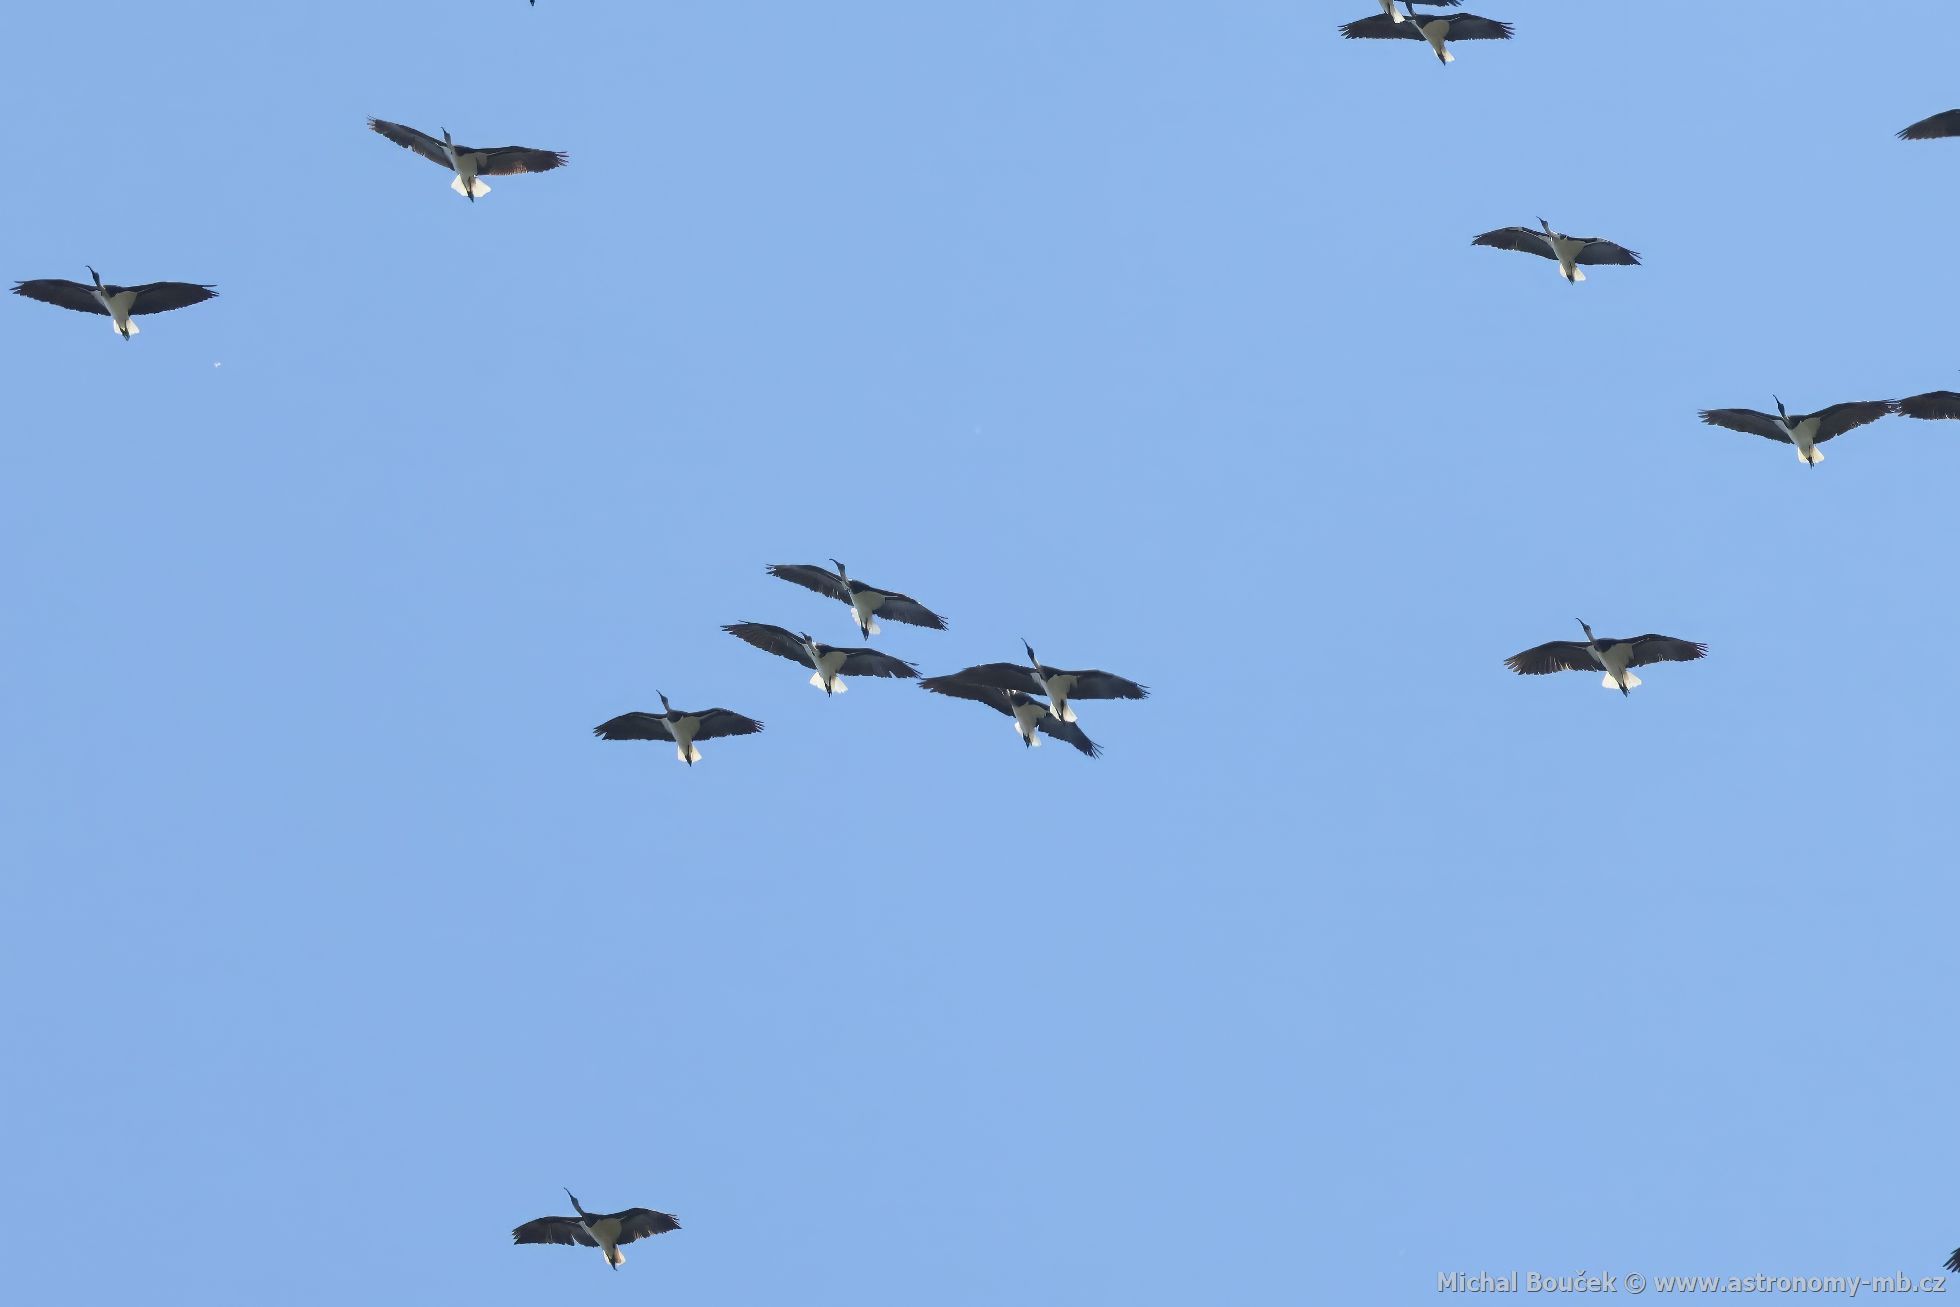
x=1557, y=656
x=769, y=639
x=869, y=662
x=1606, y=252
x=1932, y=404
x=634, y=726
x=163, y=296
x=1471, y=27
x=906, y=609
x=986, y=676
x=1661, y=649
x=717, y=723
x=409, y=139
x=643, y=1222
x=810, y=577
x=1927, y=129
x=1746, y=420
x=1380, y=26
x=1840, y=418
x=553, y=1229
x=62, y=294
x=1522, y=239
x=508, y=160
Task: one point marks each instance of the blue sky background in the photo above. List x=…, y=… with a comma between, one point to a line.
x=1149, y=331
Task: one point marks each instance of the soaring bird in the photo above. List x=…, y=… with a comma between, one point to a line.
x=1567, y=251
x=1437, y=29
x=831, y=663
x=1613, y=657
x=1928, y=129
x=683, y=728
x=1804, y=430
x=469, y=163
x=1932, y=404
x=866, y=601
x=1388, y=7
x=118, y=303
x=1036, y=678
x=592, y=1230
x=1030, y=714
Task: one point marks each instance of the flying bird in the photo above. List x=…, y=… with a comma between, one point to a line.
x=866, y=601
x=1614, y=657
x=1388, y=7
x=1037, y=678
x=1030, y=714
x=1804, y=430
x=469, y=164
x=593, y=1230
x=1929, y=129
x=683, y=728
x=1567, y=251
x=1437, y=29
x=831, y=663
x=118, y=303
x=1953, y=1262
x=1932, y=404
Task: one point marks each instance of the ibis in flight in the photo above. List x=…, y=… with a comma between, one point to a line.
x=1567, y=251
x=1614, y=657
x=1932, y=404
x=866, y=601
x=1931, y=129
x=1038, y=678
x=117, y=303
x=469, y=164
x=831, y=663
x=1030, y=714
x=1437, y=29
x=593, y=1230
x=683, y=728
x=1388, y=7
x=1804, y=430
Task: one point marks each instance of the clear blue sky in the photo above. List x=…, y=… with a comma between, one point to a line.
x=1149, y=331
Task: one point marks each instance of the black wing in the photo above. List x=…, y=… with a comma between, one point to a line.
x=987, y=676
x=1599, y=251
x=163, y=296
x=1661, y=649
x=553, y=1229
x=62, y=294
x=770, y=639
x=1469, y=27
x=717, y=722
x=1097, y=684
x=634, y=726
x=506, y=160
x=1068, y=733
x=1558, y=656
x=1953, y=1262
x=810, y=577
x=993, y=696
x=1927, y=129
x=1840, y=418
x=1522, y=239
x=1746, y=420
x=409, y=139
x=640, y=1222
x=1932, y=404
x=904, y=608
x=1379, y=26
x=869, y=662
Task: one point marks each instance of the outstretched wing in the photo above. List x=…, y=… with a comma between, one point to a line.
x=1932, y=404
x=824, y=582
x=1522, y=239
x=1662, y=649
x=1745, y=420
x=633, y=726
x=1068, y=733
x=1379, y=26
x=1840, y=418
x=869, y=662
x=717, y=722
x=62, y=294
x=1953, y=1262
x=987, y=676
x=1599, y=251
x=1558, y=656
x=506, y=160
x=904, y=608
x=1927, y=129
x=409, y=139
x=993, y=696
x=769, y=639
x=163, y=296
x=1097, y=684
x=641, y=1222
x=1469, y=27
x=553, y=1229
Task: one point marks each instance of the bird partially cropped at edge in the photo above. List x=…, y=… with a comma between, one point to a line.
x=1059, y=686
x=595, y=1230
x=1437, y=29
x=829, y=664
x=1388, y=7
x=469, y=163
x=1804, y=430
x=682, y=728
x=1953, y=1262
x=1932, y=405
x=1614, y=657
x=1030, y=714
x=118, y=303
x=866, y=601
x=1567, y=251
x=1931, y=129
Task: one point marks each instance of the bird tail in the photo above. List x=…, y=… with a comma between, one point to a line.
x=1815, y=456
x=1030, y=738
x=1577, y=276
x=872, y=628
x=1067, y=713
x=616, y=1256
x=1446, y=56
x=688, y=753
x=127, y=328
x=456, y=185
x=1628, y=677
x=836, y=682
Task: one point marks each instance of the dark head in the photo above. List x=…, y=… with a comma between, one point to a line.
x=575, y=1206
x=1585, y=628
x=666, y=708
x=1546, y=225
x=1779, y=409
x=1030, y=648
x=94, y=276
x=840, y=569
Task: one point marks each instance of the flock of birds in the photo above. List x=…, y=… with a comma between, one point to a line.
x=1038, y=698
